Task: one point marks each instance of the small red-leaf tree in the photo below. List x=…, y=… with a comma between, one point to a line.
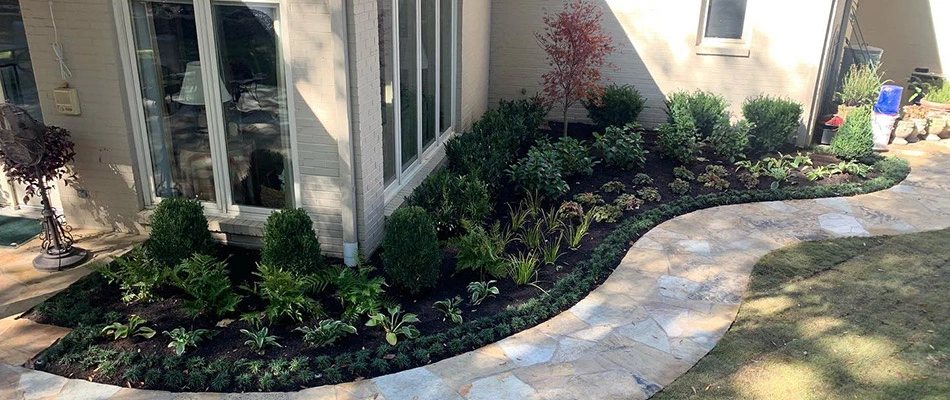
x=576, y=48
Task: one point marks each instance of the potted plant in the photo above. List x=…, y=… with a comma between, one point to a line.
x=830, y=126
x=937, y=98
x=860, y=87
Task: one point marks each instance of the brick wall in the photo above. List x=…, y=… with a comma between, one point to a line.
x=657, y=51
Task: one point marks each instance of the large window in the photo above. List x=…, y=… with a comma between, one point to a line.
x=212, y=92
x=17, y=84
x=417, y=60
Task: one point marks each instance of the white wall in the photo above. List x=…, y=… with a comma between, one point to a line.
x=657, y=52
x=477, y=29
x=913, y=33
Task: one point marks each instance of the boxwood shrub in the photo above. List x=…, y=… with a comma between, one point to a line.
x=774, y=121
x=179, y=229
x=617, y=105
x=449, y=199
x=411, y=254
x=855, y=138
x=290, y=242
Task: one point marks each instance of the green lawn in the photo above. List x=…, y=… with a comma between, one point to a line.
x=864, y=318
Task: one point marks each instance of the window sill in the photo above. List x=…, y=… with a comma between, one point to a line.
x=729, y=50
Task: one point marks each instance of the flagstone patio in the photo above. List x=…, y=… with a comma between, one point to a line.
x=669, y=302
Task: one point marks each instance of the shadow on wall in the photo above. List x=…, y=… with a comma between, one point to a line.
x=100, y=201
x=657, y=52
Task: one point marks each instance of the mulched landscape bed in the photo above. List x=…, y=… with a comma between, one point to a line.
x=92, y=302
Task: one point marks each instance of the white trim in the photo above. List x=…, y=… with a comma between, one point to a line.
x=725, y=47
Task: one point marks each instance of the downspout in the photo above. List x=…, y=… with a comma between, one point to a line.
x=345, y=142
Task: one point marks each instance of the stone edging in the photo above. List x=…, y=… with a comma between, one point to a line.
x=670, y=300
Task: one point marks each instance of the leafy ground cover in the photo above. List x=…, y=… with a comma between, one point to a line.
x=857, y=318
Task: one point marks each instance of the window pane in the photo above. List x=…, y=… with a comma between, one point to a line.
x=408, y=84
x=166, y=48
x=385, y=21
x=725, y=19
x=255, y=105
x=429, y=39
x=445, y=54
x=16, y=69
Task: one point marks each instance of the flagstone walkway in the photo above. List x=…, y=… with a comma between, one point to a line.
x=671, y=299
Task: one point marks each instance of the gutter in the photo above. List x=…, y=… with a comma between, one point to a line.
x=345, y=142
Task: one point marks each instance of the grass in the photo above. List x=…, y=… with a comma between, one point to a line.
x=859, y=318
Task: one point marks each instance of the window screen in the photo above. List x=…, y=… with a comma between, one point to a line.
x=725, y=19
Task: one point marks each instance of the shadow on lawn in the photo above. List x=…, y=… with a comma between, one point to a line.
x=848, y=318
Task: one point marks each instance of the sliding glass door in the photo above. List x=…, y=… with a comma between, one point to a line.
x=417, y=59
x=212, y=94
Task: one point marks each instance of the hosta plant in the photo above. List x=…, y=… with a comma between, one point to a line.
x=134, y=327
x=450, y=309
x=479, y=291
x=395, y=323
x=182, y=339
x=260, y=340
x=326, y=333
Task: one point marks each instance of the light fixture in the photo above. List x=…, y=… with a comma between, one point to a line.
x=192, y=87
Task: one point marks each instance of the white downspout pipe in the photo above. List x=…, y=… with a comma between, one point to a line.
x=345, y=141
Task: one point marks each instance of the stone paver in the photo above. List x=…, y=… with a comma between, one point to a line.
x=670, y=300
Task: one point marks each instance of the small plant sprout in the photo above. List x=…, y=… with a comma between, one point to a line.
x=551, y=250
x=649, y=194
x=135, y=327
x=395, y=324
x=260, y=340
x=481, y=291
x=628, y=202
x=642, y=179
x=577, y=232
x=570, y=210
x=684, y=173
x=523, y=268
x=679, y=186
x=326, y=332
x=533, y=236
x=450, y=309
x=181, y=339
x=613, y=187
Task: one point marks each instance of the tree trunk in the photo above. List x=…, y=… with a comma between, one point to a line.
x=565, y=121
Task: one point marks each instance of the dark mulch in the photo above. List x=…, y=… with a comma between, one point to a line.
x=229, y=342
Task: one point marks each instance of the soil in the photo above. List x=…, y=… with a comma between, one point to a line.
x=228, y=343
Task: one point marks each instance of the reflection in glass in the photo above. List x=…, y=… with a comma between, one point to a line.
x=256, y=122
x=725, y=19
x=408, y=88
x=16, y=69
x=445, y=68
x=429, y=72
x=166, y=48
x=385, y=21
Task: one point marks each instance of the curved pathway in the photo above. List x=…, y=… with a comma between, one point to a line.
x=671, y=299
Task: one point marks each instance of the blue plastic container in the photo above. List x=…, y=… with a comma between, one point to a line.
x=889, y=101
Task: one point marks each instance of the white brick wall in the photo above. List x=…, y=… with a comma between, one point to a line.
x=475, y=44
x=104, y=158
x=657, y=51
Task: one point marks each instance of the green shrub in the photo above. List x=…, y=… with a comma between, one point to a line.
x=618, y=105
x=411, y=253
x=855, y=138
x=628, y=202
x=571, y=156
x=677, y=140
x=358, y=291
x=683, y=173
x=531, y=112
x=774, y=122
x=290, y=242
x=137, y=276
x=539, y=172
x=861, y=85
x=326, y=333
x=483, y=251
x=731, y=141
x=609, y=213
x=179, y=229
x=285, y=293
x=707, y=109
x=622, y=146
x=642, y=179
x=613, y=187
x=450, y=199
x=205, y=282
x=939, y=94
x=714, y=177
x=679, y=186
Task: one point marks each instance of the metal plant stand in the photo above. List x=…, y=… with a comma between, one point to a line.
x=22, y=140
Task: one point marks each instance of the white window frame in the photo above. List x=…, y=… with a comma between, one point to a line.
x=424, y=154
x=223, y=206
x=741, y=47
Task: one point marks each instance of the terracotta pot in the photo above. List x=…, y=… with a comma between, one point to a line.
x=844, y=111
x=904, y=130
x=935, y=106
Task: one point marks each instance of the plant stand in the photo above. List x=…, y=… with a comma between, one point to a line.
x=58, y=251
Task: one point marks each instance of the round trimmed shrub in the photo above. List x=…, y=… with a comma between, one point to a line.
x=179, y=229
x=618, y=105
x=707, y=109
x=290, y=242
x=855, y=138
x=411, y=254
x=774, y=121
